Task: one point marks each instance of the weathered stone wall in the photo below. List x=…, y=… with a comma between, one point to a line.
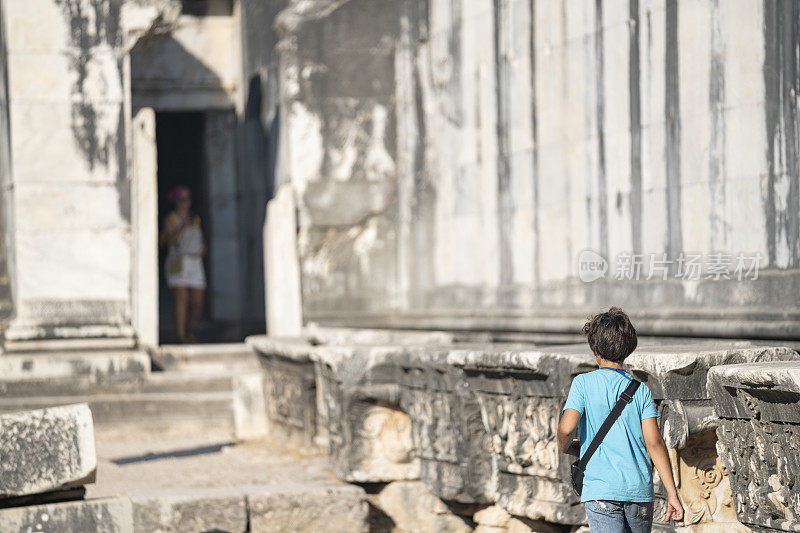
x=460, y=155
x=69, y=102
x=338, y=148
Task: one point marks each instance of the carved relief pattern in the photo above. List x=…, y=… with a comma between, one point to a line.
x=377, y=444
x=764, y=466
x=523, y=433
x=285, y=398
x=703, y=482
x=435, y=429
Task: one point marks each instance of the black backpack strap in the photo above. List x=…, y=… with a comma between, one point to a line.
x=625, y=398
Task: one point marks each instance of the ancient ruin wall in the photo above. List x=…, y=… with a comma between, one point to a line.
x=69, y=106
x=461, y=154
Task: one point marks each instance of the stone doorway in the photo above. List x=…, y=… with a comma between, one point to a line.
x=196, y=149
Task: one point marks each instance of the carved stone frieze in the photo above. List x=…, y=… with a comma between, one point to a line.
x=369, y=433
x=521, y=392
x=676, y=375
x=703, y=484
x=759, y=440
x=289, y=388
x=449, y=436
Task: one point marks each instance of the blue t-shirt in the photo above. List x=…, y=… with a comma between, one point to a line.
x=620, y=468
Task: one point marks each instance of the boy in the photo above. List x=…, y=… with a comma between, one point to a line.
x=618, y=480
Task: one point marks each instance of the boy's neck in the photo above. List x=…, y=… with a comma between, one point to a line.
x=604, y=362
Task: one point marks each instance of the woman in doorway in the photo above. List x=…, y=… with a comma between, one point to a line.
x=184, y=266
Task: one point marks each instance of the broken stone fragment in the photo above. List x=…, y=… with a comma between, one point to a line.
x=369, y=434
x=679, y=370
x=289, y=388
x=495, y=519
x=411, y=507
x=759, y=440
x=46, y=450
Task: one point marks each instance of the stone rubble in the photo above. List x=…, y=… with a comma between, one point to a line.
x=411, y=506
x=289, y=387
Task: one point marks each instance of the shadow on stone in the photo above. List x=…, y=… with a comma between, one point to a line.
x=187, y=452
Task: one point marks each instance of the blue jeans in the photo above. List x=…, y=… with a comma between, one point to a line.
x=608, y=516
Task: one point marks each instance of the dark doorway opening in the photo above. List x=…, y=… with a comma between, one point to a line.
x=181, y=148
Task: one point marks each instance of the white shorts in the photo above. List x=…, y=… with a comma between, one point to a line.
x=192, y=275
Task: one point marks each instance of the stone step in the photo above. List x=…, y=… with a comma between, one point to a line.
x=97, y=364
x=68, y=345
x=91, y=385
x=298, y=507
x=141, y=414
x=206, y=358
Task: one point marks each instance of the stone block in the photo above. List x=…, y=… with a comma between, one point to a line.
x=412, y=507
x=281, y=265
x=290, y=389
x=450, y=440
x=189, y=510
x=206, y=358
x=249, y=406
x=46, y=450
x=308, y=508
x=759, y=440
x=521, y=392
x=107, y=515
x=369, y=433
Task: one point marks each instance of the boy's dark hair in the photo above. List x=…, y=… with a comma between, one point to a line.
x=611, y=335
